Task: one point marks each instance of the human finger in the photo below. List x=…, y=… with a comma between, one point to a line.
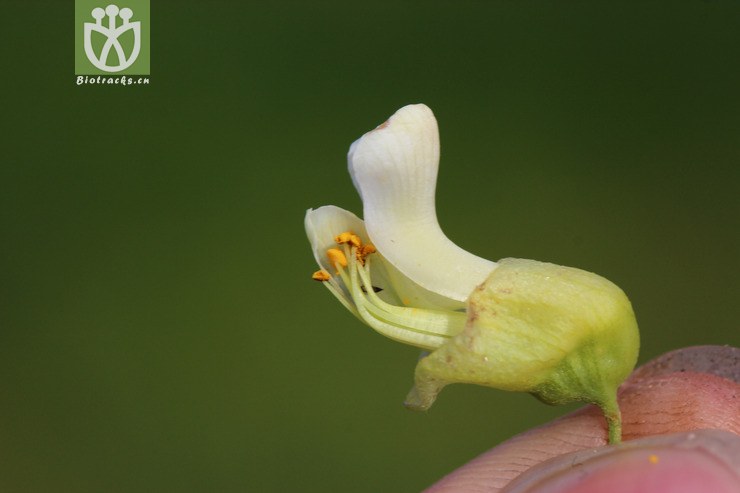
x=685, y=390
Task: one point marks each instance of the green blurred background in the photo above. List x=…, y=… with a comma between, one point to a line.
x=159, y=330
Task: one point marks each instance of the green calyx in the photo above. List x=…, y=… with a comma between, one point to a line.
x=560, y=333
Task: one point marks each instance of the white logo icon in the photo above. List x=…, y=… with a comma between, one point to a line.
x=112, y=33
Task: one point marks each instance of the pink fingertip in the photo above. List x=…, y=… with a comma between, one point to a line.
x=643, y=471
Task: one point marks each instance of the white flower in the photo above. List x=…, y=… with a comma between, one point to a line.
x=560, y=333
x=414, y=287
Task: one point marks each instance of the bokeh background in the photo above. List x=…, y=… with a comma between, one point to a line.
x=159, y=330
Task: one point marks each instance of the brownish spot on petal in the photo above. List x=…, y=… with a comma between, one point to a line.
x=383, y=125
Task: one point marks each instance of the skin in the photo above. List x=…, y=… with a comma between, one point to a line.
x=681, y=433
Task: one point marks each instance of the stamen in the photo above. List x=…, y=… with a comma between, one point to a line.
x=363, y=251
x=433, y=322
x=348, y=237
x=423, y=328
x=344, y=276
x=321, y=275
x=336, y=257
x=338, y=292
x=401, y=334
x=353, y=287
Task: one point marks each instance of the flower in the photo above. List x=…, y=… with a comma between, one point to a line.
x=372, y=288
x=414, y=289
x=560, y=333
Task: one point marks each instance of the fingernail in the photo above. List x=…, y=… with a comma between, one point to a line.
x=706, y=460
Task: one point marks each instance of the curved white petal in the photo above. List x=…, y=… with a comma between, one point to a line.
x=394, y=168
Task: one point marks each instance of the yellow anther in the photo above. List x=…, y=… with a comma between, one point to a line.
x=348, y=237
x=653, y=459
x=363, y=251
x=321, y=275
x=336, y=257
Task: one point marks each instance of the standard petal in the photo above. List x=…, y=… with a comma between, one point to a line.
x=394, y=168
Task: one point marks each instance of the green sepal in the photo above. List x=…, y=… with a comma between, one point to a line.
x=560, y=333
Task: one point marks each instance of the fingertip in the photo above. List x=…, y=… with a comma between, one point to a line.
x=707, y=460
x=683, y=390
x=679, y=402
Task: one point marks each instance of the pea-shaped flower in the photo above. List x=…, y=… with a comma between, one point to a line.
x=560, y=333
